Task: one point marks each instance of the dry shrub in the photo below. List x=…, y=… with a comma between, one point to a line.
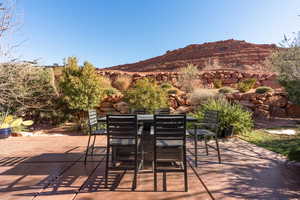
x=201, y=95
x=122, y=83
x=105, y=82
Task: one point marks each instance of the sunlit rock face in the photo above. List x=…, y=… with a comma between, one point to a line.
x=236, y=54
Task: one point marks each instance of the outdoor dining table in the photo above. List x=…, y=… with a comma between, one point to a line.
x=147, y=134
x=148, y=118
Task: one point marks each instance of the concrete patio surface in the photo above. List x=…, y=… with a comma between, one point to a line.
x=52, y=167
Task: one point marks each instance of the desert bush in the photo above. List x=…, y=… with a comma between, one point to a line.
x=263, y=89
x=81, y=87
x=146, y=94
x=173, y=91
x=104, y=81
x=246, y=85
x=166, y=86
x=287, y=63
x=231, y=114
x=111, y=91
x=26, y=88
x=122, y=82
x=217, y=83
x=188, y=75
x=201, y=95
x=226, y=90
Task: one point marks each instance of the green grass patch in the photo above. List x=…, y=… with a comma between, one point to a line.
x=282, y=144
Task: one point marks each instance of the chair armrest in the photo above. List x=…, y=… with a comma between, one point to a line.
x=140, y=130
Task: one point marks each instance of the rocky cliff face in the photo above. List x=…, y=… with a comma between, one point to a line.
x=235, y=54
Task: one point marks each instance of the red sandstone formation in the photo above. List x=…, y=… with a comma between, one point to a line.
x=235, y=54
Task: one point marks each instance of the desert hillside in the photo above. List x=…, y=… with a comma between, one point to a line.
x=236, y=54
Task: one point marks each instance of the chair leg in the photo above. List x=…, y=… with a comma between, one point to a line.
x=154, y=169
x=218, y=149
x=87, y=149
x=206, y=147
x=185, y=170
x=107, y=166
x=93, y=145
x=135, y=170
x=164, y=181
x=196, y=150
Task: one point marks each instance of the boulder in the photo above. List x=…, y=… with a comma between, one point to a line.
x=293, y=110
x=183, y=109
x=122, y=107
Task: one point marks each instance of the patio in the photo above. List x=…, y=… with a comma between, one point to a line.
x=52, y=167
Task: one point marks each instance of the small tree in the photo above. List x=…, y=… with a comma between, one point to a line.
x=188, y=76
x=146, y=94
x=80, y=86
x=287, y=63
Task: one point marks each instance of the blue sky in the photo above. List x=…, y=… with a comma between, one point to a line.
x=112, y=32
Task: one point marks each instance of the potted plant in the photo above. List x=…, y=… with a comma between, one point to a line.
x=8, y=123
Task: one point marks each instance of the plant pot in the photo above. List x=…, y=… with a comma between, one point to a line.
x=5, y=132
x=227, y=132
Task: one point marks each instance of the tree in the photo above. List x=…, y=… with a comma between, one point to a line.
x=146, y=94
x=25, y=87
x=81, y=87
x=287, y=63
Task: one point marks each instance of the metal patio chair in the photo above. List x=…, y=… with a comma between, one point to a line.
x=206, y=129
x=169, y=146
x=94, y=130
x=124, y=141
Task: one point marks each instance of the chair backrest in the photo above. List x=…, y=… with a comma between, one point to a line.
x=92, y=117
x=211, y=118
x=170, y=127
x=122, y=126
x=139, y=111
x=162, y=111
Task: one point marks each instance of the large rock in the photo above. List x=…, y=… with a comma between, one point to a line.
x=293, y=110
x=277, y=101
x=122, y=107
x=183, y=109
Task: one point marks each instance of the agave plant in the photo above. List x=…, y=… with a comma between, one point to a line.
x=9, y=121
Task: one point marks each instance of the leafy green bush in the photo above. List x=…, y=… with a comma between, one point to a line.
x=263, y=89
x=246, y=85
x=230, y=114
x=294, y=154
x=122, y=83
x=293, y=89
x=111, y=91
x=166, y=86
x=226, y=90
x=217, y=83
x=81, y=87
x=146, y=94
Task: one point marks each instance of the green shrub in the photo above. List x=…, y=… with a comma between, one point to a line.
x=111, y=91
x=146, y=94
x=231, y=114
x=294, y=154
x=81, y=87
x=226, y=90
x=201, y=95
x=263, y=89
x=122, y=83
x=217, y=83
x=246, y=85
x=166, y=86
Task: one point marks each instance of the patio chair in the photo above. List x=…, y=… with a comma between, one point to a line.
x=123, y=139
x=206, y=129
x=163, y=111
x=94, y=130
x=169, y=147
